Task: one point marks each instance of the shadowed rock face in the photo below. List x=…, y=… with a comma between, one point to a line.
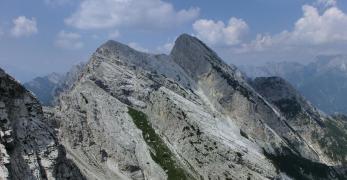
x=327, y=135
x=29, y=148
x=186, y=115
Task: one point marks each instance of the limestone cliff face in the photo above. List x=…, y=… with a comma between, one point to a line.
x=28, y=146
x=186, y=115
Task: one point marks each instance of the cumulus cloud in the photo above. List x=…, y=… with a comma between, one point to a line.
x=218, y=33
x=23, y=26
x=316, y=29
x=312, y=29
x=98, y=14
x=69, y=40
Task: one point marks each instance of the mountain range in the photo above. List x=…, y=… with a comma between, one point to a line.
x=48, y=87
x=323, y=81
x=186, y=115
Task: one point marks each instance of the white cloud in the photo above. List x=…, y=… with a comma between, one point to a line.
x=137, y=46
x=98, y=14
x=23, y=26
x=69, y=40
x=218, y=33
x=312, y=29
x=114, y=34
x=316, y=29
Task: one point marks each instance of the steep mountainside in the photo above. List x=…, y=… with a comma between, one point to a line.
x=29, y=148
x=323, y=82
x=327, y=135
x=186, y=115
x=48, y=88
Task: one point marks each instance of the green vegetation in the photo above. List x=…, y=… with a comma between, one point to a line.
x=300, y=168
x=334, y=141
x=161, y=154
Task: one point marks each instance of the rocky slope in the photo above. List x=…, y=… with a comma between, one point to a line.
x=327, y=135
x=48, y=88
x=322, y=82
x=186, y=115
x=29, y=148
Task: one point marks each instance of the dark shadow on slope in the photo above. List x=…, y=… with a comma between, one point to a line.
x=301, y=168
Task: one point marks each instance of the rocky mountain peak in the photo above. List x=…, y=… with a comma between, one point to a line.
x=196, y=58
x=274, y=88
x=189, y=42
x=284, y=96
x=115, y=49
x=114, y=44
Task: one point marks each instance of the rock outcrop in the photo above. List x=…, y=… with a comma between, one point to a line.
x=29, y=148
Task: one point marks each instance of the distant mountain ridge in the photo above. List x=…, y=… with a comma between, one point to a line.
x=48, y=88
x=322, y=82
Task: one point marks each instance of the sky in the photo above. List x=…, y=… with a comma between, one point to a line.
x=38, y=37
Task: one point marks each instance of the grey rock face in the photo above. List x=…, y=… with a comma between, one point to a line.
x=29, y=148
x=186, y=115
x=225, y=86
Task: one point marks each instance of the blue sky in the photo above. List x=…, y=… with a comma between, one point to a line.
x=42, y=36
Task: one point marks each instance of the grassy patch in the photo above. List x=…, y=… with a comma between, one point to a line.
x=161, y=154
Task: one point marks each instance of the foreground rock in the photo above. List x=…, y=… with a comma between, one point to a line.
x=29, y=148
